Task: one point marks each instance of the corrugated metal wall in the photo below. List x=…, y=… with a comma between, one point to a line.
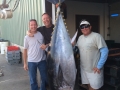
x=14, y=29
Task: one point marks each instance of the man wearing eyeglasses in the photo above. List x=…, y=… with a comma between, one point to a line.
x=93, y=54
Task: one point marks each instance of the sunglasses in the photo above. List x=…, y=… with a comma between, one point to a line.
x=84, y=26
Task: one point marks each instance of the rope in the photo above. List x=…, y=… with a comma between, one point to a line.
x=15, y=5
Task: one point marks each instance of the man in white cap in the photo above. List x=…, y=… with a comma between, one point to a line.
x=93, y=54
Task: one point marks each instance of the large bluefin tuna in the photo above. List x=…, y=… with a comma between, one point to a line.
x=60, y=61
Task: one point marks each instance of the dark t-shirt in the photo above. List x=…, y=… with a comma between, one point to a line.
x=46, y=32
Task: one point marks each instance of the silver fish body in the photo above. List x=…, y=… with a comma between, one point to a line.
x=61, y=63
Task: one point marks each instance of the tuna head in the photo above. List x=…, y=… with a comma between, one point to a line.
x=61, y=64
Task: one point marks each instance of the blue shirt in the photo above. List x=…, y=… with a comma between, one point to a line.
x=103, y=57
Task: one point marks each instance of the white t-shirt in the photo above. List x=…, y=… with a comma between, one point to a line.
x=89, y=50
x=32, y=44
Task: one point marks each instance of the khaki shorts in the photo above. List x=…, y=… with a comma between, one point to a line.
x=94, y=79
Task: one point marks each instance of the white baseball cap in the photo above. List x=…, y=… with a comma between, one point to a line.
x=84, y=22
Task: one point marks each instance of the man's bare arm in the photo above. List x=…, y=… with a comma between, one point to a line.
x=25, y=59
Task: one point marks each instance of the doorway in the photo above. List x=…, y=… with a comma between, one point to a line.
x=93, y=19
x=48, y=8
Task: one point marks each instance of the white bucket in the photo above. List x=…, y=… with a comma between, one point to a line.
x=0, y=45
x=3, y=47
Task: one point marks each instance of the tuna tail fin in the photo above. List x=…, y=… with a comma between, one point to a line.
x=56, y=1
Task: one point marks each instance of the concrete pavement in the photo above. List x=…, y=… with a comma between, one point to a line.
x=15, y=78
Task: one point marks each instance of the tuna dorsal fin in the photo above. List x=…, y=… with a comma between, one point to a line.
x=56, y=1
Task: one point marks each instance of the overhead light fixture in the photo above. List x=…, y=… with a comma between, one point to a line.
x=114, y=15
x=5, y=11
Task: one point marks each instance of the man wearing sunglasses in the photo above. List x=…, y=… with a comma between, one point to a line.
x=93, y=54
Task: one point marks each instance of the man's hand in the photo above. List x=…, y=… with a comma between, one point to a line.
x=29, y=34
x=73, y=43
x=25, y=67
x=57, y=5
x=43, y=46
x=96, y=70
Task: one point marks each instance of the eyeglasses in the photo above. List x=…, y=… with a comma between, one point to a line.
x=84, y=26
